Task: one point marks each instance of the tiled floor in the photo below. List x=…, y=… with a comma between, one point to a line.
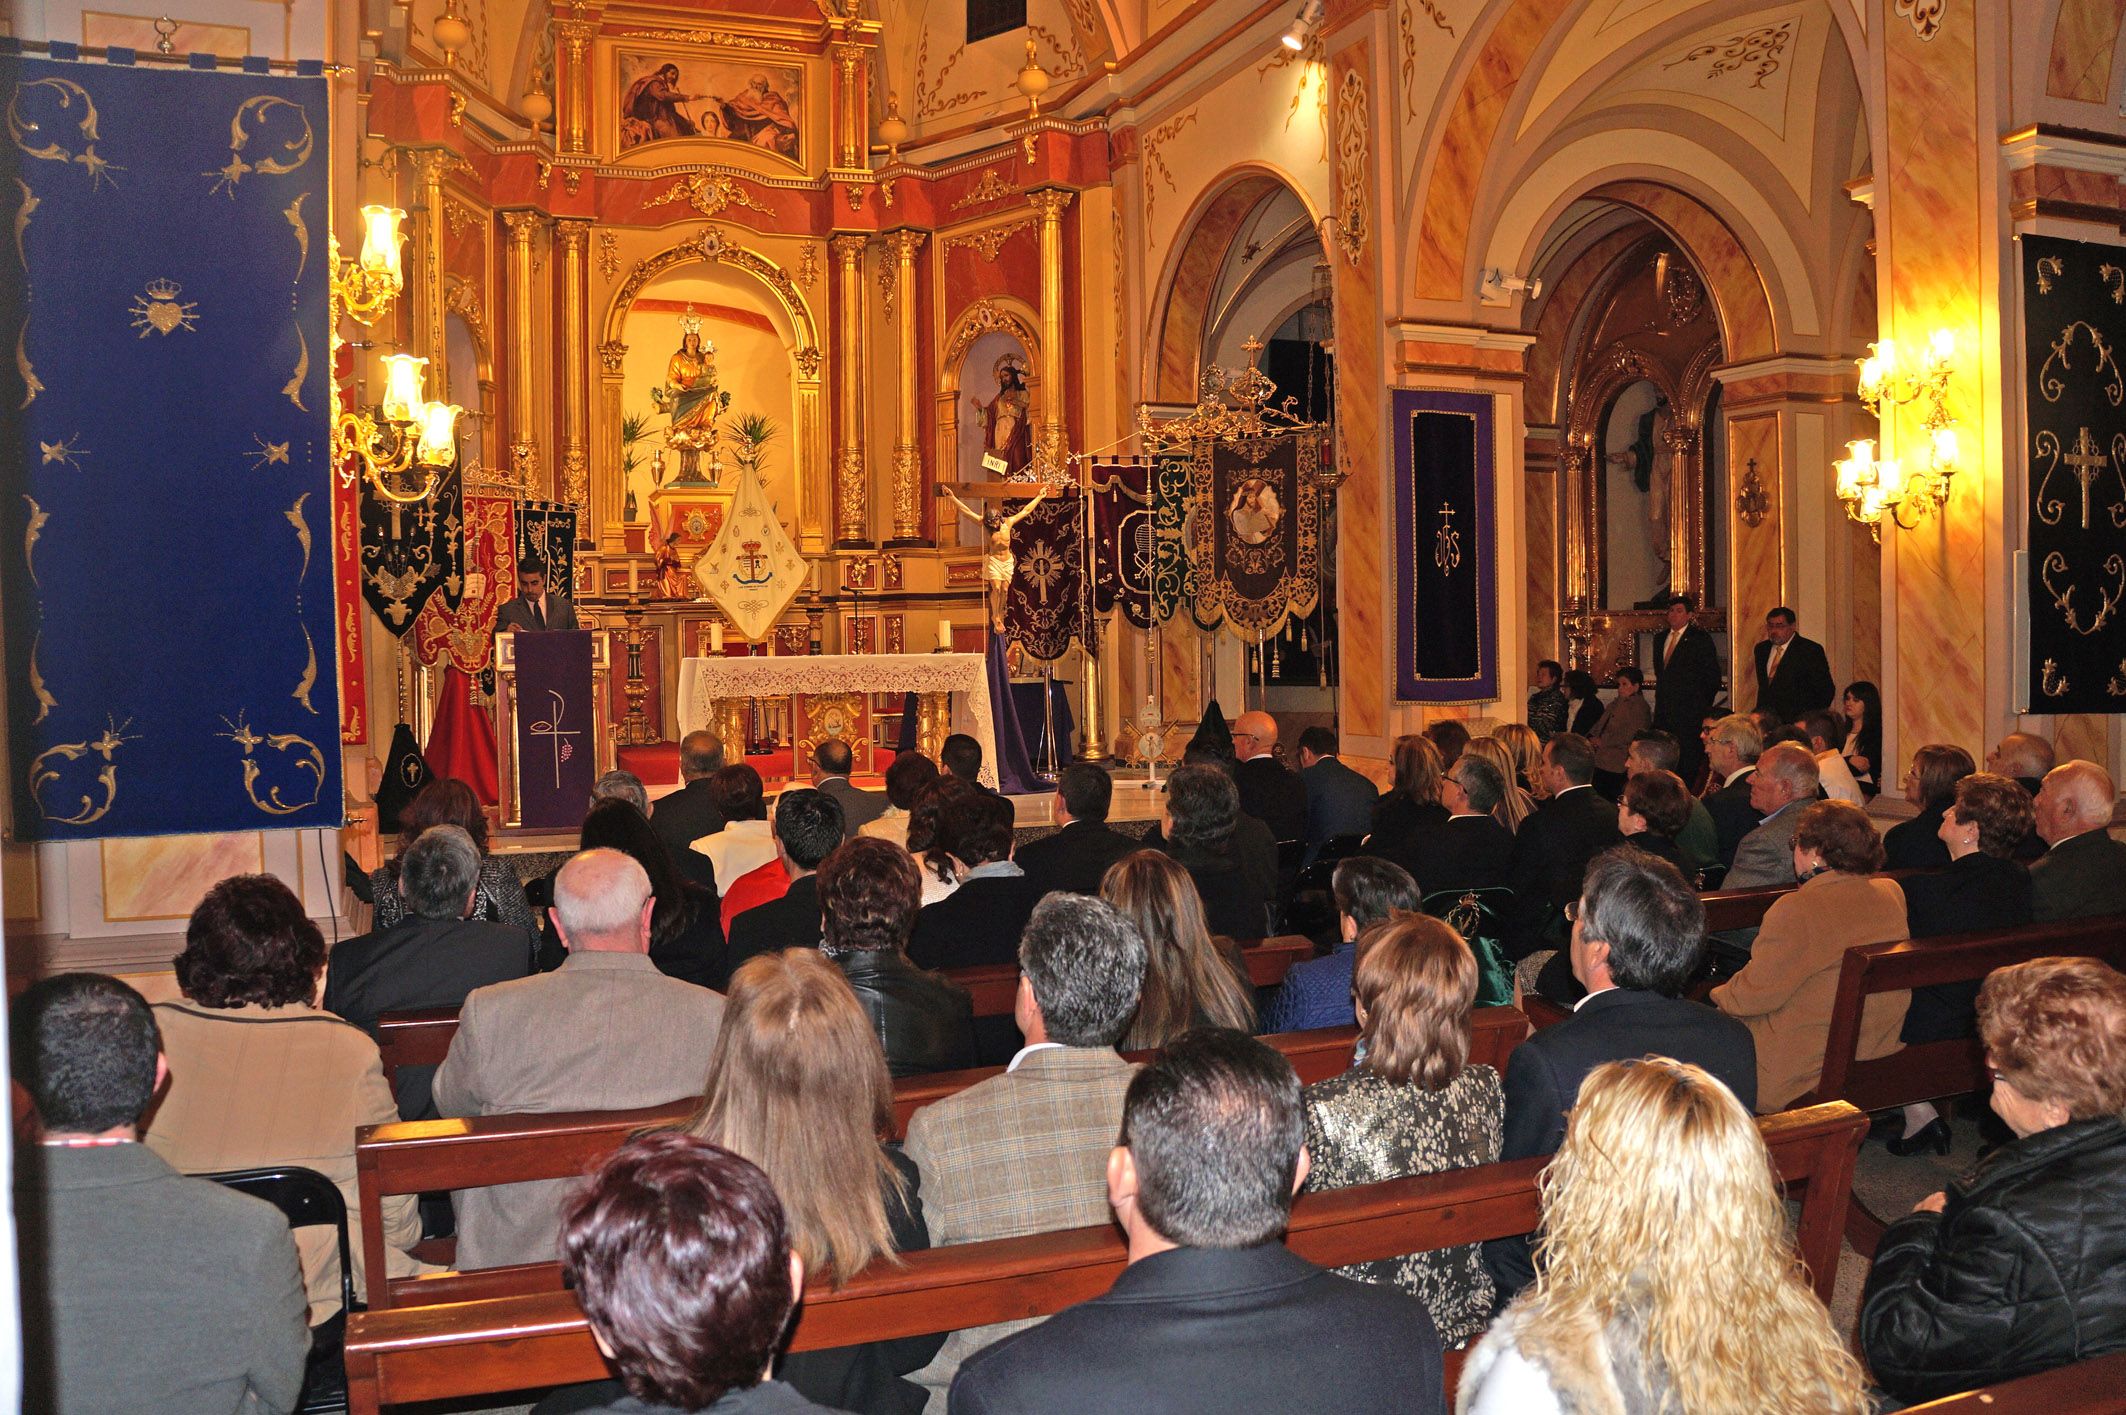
x=1890, y=1186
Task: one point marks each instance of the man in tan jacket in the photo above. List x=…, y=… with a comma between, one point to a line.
x=1026, y=1152
x=605, y=1031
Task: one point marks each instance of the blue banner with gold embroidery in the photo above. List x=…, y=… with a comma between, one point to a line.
x=164, y=423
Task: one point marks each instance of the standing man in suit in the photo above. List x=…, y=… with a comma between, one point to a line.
x=432, y=958
x=2083, y=873
x=1686, y=680
x=1077, y=856
x=832, y=761
x=142, y=1289
x=1269, y=790
x=1551, y=852
x=688, y=814
x=1027, y=1151
x=535, y=608
x=1793, y=675
x=1340, y=801
x=604, y=1031
x=1783, y=786
x=1213, y=1313
x=1638, y=940
x=1733, y=744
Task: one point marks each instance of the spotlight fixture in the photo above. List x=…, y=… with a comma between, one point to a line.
x=1301, y=30
x=1497, y=287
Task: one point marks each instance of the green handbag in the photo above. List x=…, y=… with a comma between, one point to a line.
x=1474, y=914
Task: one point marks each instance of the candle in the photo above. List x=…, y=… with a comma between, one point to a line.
x=771, y=642
x=716, y=637
x=631, y=569
x=944, y=636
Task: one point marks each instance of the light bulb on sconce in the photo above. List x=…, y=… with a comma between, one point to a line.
x=1903, y=488
x=404, y=375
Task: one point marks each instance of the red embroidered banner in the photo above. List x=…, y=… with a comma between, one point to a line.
x=466, y=635
x=347, y=610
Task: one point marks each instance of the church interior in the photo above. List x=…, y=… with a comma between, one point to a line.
x=1075, y=375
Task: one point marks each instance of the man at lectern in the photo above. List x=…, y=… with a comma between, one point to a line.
x=534, y=608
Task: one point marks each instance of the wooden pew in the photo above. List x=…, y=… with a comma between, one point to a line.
x=426, y=1156
x=2093, y=1387
x=498, y=1345
x=421, y=1037
x=1927, y=1071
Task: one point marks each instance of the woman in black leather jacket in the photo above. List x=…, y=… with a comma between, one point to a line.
x=2018, y=1267
x=869, y=892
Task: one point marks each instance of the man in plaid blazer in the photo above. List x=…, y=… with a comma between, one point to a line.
x=1026, y=1152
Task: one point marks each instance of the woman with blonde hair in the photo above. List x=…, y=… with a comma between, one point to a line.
x=1412, y=803
x=1188, y=980
x=1665, y=1279
x=798, y=1085
x=1413, y=1105
x=1516, y=805
x=1527, y=749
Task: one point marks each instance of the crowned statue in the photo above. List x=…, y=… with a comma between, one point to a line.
x=691, y=399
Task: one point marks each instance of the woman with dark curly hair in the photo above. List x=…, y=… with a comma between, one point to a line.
x=449, y=801
x=259, y=1075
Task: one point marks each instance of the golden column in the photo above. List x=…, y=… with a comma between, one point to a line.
x=851, y=501
x=1051, y=443
x=523, y=400
x=609, y=488
x=574, y=238
x=429, y=167
x=907, y=461
x=575, y=82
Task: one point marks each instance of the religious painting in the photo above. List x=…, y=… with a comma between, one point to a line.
x=1255, y=533
x=2074, y=326
x=1446, y=599
x=666, y=96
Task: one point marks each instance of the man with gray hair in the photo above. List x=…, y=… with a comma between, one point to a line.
x=605, y=1031
x=433, y=957
x=1026, y=1152
x=2083, y=871
x=1732, y=746
x=686, y=815
x=625, y=786
x=1782, y=787
x=2024, y=756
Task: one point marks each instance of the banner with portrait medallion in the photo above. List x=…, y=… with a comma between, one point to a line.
x=1044, y=608
x=2074, y=336
x=1255, y=535
x=165, y=439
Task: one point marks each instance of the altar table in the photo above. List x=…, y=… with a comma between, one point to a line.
x=711, y=690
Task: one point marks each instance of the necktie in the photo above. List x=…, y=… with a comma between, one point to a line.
x=1675, y=636
x=539, y=612
x=1771, y=669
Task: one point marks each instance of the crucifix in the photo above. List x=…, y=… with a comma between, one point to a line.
x=2087, y=461
x=998, y=564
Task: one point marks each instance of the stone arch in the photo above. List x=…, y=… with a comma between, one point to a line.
x=1175, y=357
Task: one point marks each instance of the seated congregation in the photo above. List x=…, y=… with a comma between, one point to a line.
x=775, y=976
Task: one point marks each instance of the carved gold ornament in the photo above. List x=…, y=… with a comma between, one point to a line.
x=708, y=193
x=249, y=118
x=35, y=141
x=300, y=751
x=1353, y=210
x=43, y=776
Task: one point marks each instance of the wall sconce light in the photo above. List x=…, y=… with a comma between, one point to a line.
x=406, y=432
x=1877, y=488
x=1498, y=288
x=1301, y=30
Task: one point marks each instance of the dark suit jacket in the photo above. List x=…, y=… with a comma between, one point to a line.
x=1459, y=852
x=143, y=1289
x=2079, y=878
x=1274, y=795
x=1237, y=899
x=859, y=807
x=1976, y=892
x=1339, y=801
x=421, y=963
x=1074, y=858
x=1804, y=682
x=1916, y=845
x=1733, y=815
x=516, y=615
x=1616, y=1025
x=1397, y=820
x=1206, y=1331
x=977, y=923
x=1550, y=856
x=792, y=921
x=1686, y=683
x=683, y=817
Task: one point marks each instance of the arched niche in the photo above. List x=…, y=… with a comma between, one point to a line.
x=987, y=331
x=469, y=364
x=753, y=287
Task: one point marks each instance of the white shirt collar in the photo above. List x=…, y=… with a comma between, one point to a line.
x=1029, y=1050
x=1583, y=786
x=1592, y=996
x=1729, y=779
x=1272, y=754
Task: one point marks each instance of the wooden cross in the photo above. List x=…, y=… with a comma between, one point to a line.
x=2087, y=462
x=996, y=490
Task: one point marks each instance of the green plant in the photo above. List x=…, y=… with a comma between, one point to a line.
x=752, y=432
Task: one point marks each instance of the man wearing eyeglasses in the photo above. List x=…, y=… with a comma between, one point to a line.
x=1270, y=791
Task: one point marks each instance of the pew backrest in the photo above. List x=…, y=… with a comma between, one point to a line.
x=1929, y=1070
x=423, y=1156
x=2093, y=1387
x=421, y=1037
x=460, y=1349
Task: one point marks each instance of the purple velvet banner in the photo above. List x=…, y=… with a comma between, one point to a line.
x=557, y=750
x=1446, y=571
